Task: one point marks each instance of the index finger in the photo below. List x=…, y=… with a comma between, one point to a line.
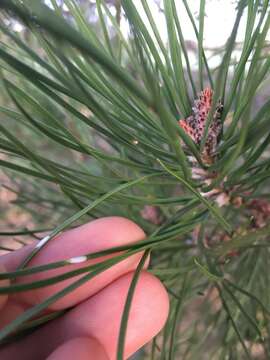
x=95, y=236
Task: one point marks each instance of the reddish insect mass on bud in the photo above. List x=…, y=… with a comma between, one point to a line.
x=187, y=128
x=194, y=125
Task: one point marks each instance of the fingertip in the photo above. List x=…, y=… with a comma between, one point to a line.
x=93, y=236
x=119, y=230
x=147, y=316
x=80, y=348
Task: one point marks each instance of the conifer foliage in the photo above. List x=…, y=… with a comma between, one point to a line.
x=95, y=123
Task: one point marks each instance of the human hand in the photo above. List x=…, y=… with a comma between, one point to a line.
x=90, y=329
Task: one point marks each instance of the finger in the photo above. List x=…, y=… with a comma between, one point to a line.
x=100, y=317
x=92, y=237
x=147, y=315
x=82, y=348
x=3, y=298
x=14, y=258
x=10, y=312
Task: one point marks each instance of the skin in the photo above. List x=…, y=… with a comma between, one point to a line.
x=90, y=329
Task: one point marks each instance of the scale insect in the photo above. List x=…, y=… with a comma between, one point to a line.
x=194, y=125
